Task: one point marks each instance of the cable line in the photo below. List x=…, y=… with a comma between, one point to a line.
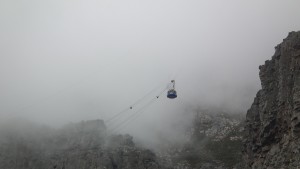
x=117, y=115
x=148, y=94
x=137, y=113
x=133, y=105
x=130, y=118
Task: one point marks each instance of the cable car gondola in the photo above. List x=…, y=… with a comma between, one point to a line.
x=172, y=94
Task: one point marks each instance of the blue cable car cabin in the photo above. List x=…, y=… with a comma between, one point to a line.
x=172, y=94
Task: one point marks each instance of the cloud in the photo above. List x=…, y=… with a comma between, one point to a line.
x=64, y=61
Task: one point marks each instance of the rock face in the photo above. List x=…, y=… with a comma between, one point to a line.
x=215, y=143
x=273, y=121
x=84, y=145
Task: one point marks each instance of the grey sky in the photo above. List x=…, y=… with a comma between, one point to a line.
x=72, y=60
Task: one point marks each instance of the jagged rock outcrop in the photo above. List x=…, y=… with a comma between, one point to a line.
x=273, y=121
x=84, y=145
x=215, y=143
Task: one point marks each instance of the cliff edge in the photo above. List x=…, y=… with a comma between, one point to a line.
x=273, y=121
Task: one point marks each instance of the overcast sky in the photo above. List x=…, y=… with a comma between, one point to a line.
x=69, y=60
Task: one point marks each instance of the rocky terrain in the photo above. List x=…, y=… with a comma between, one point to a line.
x=273, y=121
x=215, y=143
x=75, y=146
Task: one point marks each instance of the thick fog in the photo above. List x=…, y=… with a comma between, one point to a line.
x=65, y=61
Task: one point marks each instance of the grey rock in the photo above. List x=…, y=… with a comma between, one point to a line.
x=273, y=121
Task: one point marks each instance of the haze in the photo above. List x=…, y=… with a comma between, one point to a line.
x=65, y=61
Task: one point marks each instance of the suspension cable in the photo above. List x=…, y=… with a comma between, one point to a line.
x=137, y=113
x=132, y=106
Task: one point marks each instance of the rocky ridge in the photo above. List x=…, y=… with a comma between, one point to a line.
x=214, y=143
x=75, y=146
x=273, y=121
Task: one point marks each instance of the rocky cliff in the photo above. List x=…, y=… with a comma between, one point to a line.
x=273, y=121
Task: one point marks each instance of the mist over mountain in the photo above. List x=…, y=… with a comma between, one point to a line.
x=81, y=145
x=83, y=84
x=212, y=140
